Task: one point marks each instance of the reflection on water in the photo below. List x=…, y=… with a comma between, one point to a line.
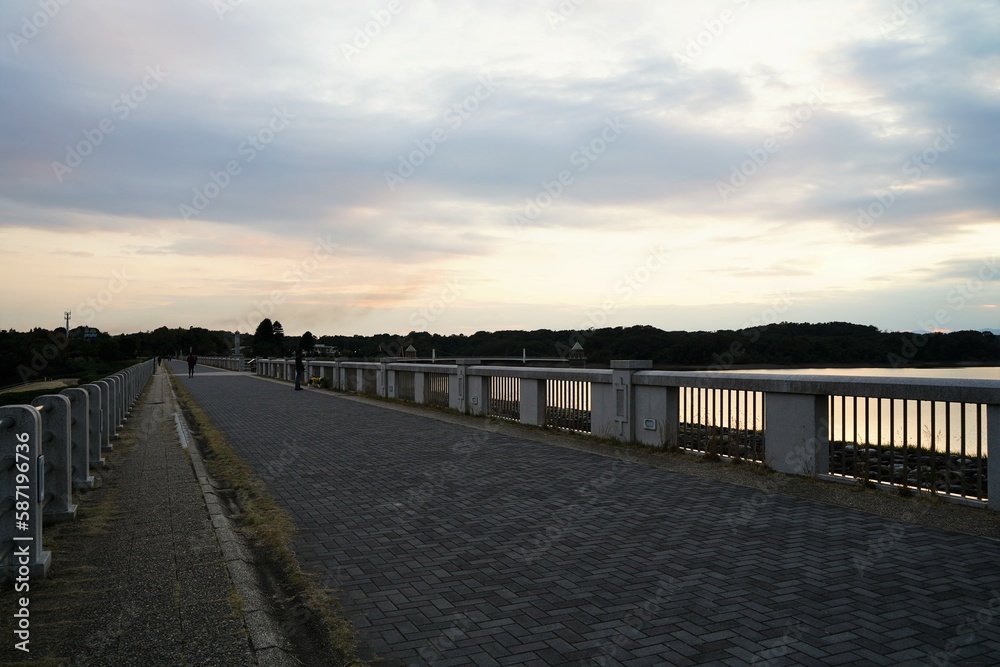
x=962, y=373
x=955, y=428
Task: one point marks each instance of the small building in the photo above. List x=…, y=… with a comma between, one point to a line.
x=577, y=356
x=410, y=352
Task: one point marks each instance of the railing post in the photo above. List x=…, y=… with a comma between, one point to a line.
x=391, y=378
x=112, y=407
x=94, y=424
x=657, y=415
x=993, y=456
x=478, y=395
x=419, y=388
x=122, y=401
x=79, y=436
x=20, y=439
x=105, y=420
x=130, y=394
x=623, y=397
x=382, y=380
x=55, y=413
x=797, y=437
x=458, y=385
x=533, y=399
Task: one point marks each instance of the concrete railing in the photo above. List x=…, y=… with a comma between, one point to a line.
x=933, y=435
x=47, y=450
x=227, y=363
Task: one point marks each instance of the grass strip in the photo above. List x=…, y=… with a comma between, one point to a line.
x=270, y=529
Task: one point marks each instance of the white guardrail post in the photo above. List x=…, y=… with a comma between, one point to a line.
x=94, y=424
x=105, y=388
x=79, y=401
x=22, y=472
x=47, y=450
x=55, y=413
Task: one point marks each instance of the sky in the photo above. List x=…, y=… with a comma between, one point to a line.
x=396, y=165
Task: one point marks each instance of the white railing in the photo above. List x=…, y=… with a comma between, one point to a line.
x=933, y=435
x=47, y=450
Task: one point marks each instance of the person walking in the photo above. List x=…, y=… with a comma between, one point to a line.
x=300, y=368
x=192, y=360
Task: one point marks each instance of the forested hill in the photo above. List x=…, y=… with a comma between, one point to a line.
x=832, y=343
x=43, y=353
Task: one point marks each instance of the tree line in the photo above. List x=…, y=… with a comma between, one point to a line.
x=782, y=344
x=42, y=353
x=25, y=356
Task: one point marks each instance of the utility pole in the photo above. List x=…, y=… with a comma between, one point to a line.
x=67, y=313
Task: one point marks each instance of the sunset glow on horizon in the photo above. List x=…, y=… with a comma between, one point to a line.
x=388, y=166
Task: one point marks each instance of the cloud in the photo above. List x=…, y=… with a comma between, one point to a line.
x=795, y=141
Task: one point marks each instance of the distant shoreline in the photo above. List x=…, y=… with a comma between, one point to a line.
x=771, y=367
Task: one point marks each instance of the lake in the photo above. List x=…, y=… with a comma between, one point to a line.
x=946, y=427
x=959, y=373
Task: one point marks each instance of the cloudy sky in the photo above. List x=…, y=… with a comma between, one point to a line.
x=463, y=165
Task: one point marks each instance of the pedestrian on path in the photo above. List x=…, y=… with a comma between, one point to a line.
x=300, y=368
x=192, y=360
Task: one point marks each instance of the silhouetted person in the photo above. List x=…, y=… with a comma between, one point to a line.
x=192, y=360
x=300, y=368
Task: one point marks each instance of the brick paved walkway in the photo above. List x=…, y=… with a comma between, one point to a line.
x=459, y=546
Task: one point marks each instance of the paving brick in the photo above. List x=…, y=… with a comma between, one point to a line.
x=430, y=540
